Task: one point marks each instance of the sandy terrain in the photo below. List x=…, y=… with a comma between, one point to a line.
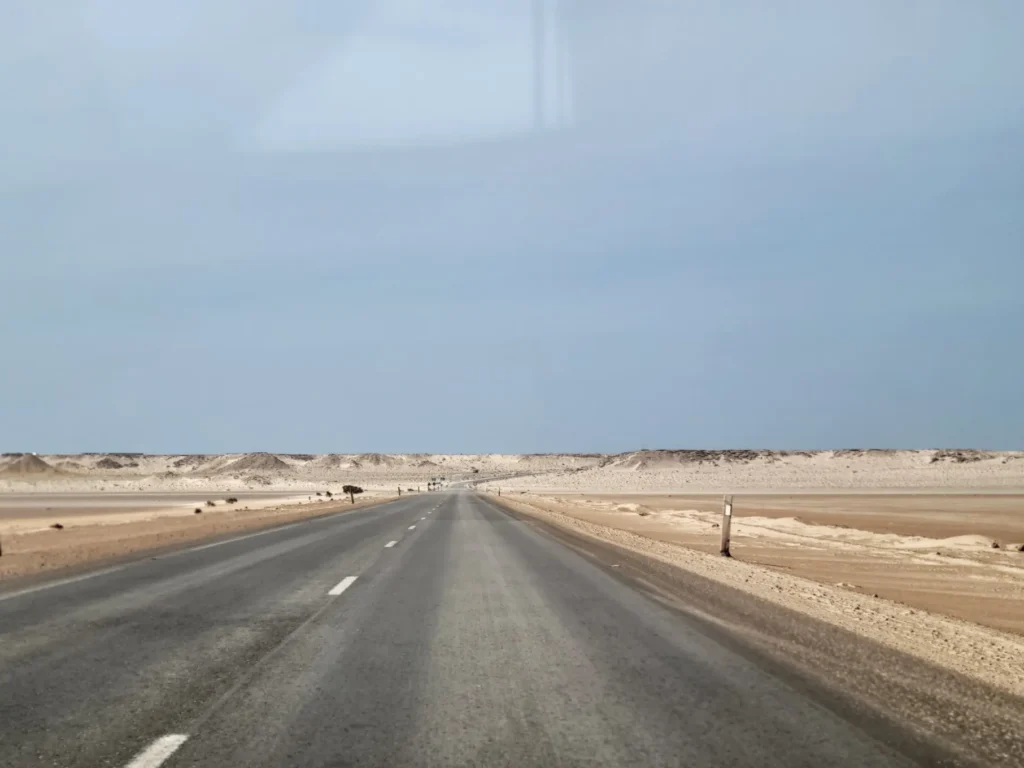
x=26, y=512
x=130, y=524
x=769, y=471
x=861, y=521
x=764, y=568
x=209, y=473
x=636, y=472
x=925, y=551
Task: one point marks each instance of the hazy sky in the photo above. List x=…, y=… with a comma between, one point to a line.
x=325, y=226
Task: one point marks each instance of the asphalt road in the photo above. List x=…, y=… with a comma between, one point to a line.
x=473, y=640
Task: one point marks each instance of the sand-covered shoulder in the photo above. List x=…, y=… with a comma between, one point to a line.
x=988, y=655
x=68, y=536
x=956, y=555
x=39, y=511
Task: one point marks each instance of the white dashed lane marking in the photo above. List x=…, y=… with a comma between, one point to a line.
x=390, y=544
x=155, y=754
x=342, y=585
x=412, y=527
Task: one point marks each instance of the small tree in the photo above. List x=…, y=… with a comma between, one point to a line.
x=352, y=490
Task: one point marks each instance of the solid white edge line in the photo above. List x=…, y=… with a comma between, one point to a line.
x=390, y=544
x=342, y=585
x=158, y=751
x=412, y=527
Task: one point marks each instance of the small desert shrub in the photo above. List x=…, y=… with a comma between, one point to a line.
x=211, y=503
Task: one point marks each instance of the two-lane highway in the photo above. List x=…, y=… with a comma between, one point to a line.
x=435, y=630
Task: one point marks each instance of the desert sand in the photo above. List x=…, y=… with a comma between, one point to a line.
x=635, y=472
x=762, y=568
x=133, y=525
x=930, y=552
x=769, y=471
x=28, y=512
x=219, y=473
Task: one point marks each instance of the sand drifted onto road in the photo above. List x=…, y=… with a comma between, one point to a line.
x=995, y=658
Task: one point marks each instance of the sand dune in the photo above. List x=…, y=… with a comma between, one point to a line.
x=28, y=466
x=257, y=462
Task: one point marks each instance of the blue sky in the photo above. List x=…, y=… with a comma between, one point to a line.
x=338, y=227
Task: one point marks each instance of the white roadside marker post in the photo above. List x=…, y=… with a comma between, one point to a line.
x=726, y=525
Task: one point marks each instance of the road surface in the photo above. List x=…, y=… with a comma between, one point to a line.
x=435, y=630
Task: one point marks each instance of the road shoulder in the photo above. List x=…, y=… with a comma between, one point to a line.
x=76, y=551
x=930, y=713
